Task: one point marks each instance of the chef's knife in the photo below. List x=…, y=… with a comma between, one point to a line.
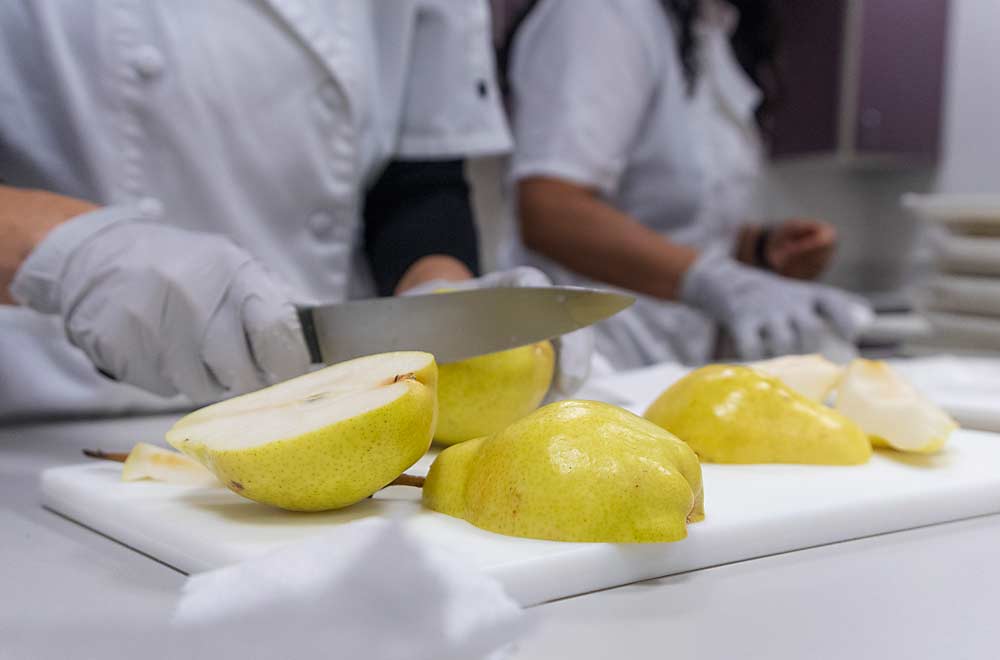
x=454, y=325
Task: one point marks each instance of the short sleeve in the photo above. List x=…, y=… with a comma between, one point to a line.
x=582, y=75
x=451, y=107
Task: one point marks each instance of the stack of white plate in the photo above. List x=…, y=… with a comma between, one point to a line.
x=961, y=300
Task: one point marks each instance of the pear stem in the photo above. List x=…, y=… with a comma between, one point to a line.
x=408, y=480
x=401, y=480
x=106, y=455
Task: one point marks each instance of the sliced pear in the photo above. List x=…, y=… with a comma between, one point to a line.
x=891, y=410
x=320, y=441
x=811, y=375
x=484, y=394
x=572, y=471
x=147, y=461
x=735, y=414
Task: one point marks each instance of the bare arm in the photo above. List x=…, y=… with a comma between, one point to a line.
x=572, y=225
x=433, y=267
x=26, y=217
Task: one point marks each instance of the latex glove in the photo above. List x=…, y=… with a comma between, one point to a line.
x=165, y=309
x=768, y=315
x=573, y=351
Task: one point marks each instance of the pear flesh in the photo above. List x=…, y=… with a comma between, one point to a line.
x=735, y=414
x=811, y=375
x=323, y=440
x=484, y=394
x=891, y=410
x=572, y=471
x=147, y=461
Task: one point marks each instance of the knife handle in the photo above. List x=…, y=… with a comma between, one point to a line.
x=309, y=334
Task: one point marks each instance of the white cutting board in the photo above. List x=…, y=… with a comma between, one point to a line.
x=751, y=511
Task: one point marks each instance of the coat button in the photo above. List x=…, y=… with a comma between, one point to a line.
x=151, y=208
x=342, y=233
x=320, y=223
x=148, y=61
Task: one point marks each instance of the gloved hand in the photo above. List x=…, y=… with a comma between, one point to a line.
x=769, y=315
x=165, y=309
x=573, y=350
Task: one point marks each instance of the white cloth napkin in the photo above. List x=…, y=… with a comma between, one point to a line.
x=382, y=596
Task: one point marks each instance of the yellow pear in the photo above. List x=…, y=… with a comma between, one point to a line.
x=572, y=471
x=320, y=441
x=734, y=414
x=484, y=394
x=147, y=461
x=891, y=410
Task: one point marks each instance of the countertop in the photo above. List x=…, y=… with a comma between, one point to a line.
x=928, y=593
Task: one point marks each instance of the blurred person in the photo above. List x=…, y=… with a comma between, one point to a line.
x=179, y=176
x=637, y=128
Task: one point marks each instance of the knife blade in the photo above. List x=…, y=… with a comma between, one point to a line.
x=454, y=325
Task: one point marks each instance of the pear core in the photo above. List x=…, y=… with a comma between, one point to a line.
x=572, y=471
x=735, y=414
x=320, y=441
x=891, y=410
x=810, y=375
x=482, y=395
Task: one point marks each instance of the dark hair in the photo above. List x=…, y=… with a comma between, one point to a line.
x=685, y=12
x=754, y=42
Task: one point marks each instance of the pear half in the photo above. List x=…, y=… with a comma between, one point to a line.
x=735, y=414
x=147, y=461
x=320, y=441
x=811, y=375
x=484, y=394
x=891, y=410
x=572, y=471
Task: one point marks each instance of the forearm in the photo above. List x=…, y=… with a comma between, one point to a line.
x=419, y=225
x=26, y=218
x=433, y=267
x=579, y=230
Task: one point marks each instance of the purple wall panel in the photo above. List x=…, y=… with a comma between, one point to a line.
x=805, y=121
x=902, y=76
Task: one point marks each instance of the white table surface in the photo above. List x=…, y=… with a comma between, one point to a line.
x=928, y=593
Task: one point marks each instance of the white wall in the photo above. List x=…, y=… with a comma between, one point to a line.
x=972, y=112
x=878, y=240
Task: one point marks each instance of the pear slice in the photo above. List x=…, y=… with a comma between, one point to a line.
x=484, y=394
x=147, y=461
x=572, y=471
x=811, y=375
x=735, y=414
x=320, y=441
x=891, y=410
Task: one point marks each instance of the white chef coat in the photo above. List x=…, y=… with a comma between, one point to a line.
x=599, y=98
x=264, y=120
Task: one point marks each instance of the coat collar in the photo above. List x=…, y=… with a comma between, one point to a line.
x=329, y=37
x=736, y=92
